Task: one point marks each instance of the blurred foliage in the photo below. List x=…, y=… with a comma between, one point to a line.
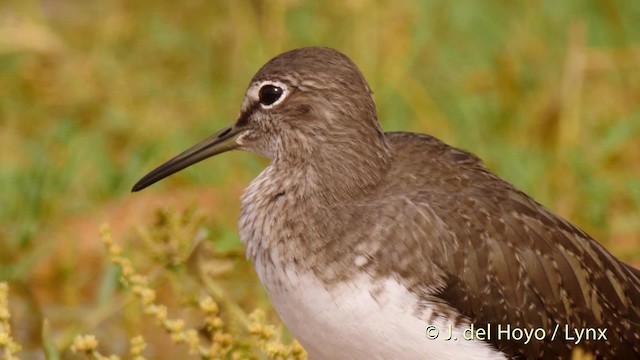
x=95, y=93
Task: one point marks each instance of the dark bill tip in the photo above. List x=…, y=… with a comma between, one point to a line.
x=220, y=142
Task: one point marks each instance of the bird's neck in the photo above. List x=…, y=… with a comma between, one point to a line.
x=288, y=205
x=334, y=175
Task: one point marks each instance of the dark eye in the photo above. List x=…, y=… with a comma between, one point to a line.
x=270, y=94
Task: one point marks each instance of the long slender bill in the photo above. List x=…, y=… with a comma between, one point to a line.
x=222, y=141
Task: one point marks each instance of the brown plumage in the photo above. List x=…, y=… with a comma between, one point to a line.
x=408, y=207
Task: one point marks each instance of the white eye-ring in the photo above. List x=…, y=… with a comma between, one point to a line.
x=271, y=93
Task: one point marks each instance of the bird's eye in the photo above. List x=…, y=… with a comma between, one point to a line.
x=269, y=94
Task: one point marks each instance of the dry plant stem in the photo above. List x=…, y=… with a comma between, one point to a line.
x=137, y=347
x=221, y=295
x=88, y=344
x=8, y=347
x=223, y=344
x=175, y=327
x=269, y=343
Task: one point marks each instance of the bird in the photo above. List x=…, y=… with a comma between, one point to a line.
x=396, y=245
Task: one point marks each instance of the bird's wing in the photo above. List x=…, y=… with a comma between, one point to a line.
x=489, y=253
x=501, y=258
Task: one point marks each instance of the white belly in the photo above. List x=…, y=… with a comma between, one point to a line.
x=359, y=320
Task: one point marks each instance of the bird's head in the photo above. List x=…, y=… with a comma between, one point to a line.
x=305, y=104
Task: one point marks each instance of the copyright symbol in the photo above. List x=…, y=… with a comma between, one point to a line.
x=432, y=332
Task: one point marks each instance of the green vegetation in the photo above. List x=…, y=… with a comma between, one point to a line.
x=93, y=94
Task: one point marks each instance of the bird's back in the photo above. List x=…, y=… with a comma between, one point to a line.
x=497, y=256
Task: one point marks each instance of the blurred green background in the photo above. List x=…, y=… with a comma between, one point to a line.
x=93, y=94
